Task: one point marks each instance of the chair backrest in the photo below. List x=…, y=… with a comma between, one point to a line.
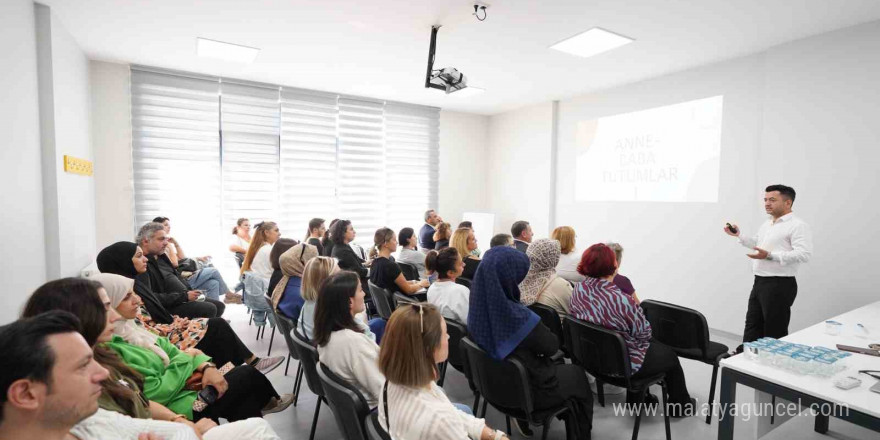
x=348, y=404
x=600, y=351
x=504, y=383
x=239, y=258
x=676, y=326
x=374, y=429
x=456, y=331
x=308, y=358
x=549, y=318
x=466, y=282
x=382, y=300
x=409, y=271
x=403, y=298
x=285, y=327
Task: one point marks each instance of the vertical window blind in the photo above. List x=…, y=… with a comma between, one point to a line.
x=207, y=151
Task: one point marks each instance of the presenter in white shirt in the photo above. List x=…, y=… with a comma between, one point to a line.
x=781, y=245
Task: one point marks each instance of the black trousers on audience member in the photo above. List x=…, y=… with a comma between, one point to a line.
x=222, y=344
x=249, y=391
x=208, y=308
x=769, y=309
x=661, y=359
x=573, y=387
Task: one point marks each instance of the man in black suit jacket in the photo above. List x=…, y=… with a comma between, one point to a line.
x=522, y=235
x=426, y=234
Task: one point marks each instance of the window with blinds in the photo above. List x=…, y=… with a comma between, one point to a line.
x=207, y=151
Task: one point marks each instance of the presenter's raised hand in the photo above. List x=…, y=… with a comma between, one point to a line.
x=731, y=233
x=760, y=254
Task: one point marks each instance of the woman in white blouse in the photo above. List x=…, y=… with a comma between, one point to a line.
x=345, y=344
x=412, y=406
x=571, y=257
x=451, y=298
x=257, y=258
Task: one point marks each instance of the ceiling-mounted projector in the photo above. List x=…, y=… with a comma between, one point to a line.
x=447, y=78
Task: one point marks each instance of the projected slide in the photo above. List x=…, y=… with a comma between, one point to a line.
x=663, y=154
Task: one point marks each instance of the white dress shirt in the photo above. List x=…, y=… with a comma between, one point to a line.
x=568, y=264
x=789, y=242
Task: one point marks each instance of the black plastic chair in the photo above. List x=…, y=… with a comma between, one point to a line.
x=402, y=298
x=285, y=327
x=505, y=384
x=375, y=431
x=456, y=332
x=550, y=318
x=382, y=299
x=308, y=358
x=603, y=354
x=275, y=318
x=347, y=403
x=466, y=282
x=686, y=331
x=410, y=272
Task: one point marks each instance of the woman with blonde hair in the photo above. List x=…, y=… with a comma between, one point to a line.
x=257, y=257
x=441, y=235
x=315, y=272
x=464, y=240
x=412, y=406
x=570, y=258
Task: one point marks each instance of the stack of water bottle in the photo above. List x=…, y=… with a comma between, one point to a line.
x=798, y=358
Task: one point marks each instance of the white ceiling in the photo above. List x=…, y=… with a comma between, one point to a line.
x=379, y=48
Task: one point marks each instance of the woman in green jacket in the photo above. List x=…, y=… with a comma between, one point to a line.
x=243, y=392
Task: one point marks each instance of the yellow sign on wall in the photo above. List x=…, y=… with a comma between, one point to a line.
x=77, y=166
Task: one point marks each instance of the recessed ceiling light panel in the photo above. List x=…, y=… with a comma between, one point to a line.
x=591, y=42
x=226, y=51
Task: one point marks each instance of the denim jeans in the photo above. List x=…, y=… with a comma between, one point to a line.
x=463, y=408
x=209, y=280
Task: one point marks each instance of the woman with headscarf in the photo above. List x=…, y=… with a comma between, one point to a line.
x=212, y=336
x=286, y=297
x=502, y=326
x=542, y=284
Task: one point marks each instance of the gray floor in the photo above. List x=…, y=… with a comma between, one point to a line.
x=294, y=423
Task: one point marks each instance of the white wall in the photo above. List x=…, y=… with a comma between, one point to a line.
x=519, y=168
x=65, y=126
x=111, y=140
x=464, y=140
x=21, y=197
x=804, y=114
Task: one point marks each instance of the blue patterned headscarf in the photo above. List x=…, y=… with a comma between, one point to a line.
x=497, y=321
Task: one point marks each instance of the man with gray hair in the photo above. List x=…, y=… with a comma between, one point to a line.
x=173, y=290
x=426, y=234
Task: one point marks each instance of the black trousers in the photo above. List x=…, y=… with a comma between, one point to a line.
x=661, y=359
x=208, y=308
x=574, y=389
x=222, y=344
x=249, y=391
x=769, y=309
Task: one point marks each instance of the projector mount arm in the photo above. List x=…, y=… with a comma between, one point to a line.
x=431, y=51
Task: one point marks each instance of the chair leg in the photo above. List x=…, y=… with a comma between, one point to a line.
x=287, y=367
x=665, y=412
x=476, y=404
x=250, y=317
x=483, y=411
x=442, y=373
x=546, y=429
x=315, y=419
x=507, y=418
x=271, y=338
x=600, y=392
x=640, y=400
x=297, y=384
x=712, y=394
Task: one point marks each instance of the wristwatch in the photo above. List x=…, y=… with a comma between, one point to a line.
x=208, y=365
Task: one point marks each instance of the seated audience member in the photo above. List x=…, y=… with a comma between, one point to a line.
x=426, y=234
x=409, y=252
x=257, y=258
x=522, y=235
x=174, y=250
x=541, y=284
x=597, y=300
x=315, y=272
x=430, y=270
x=241, y=239
x=464, y=241
x=571, y=257
x=503, y=240
x=469, y=225
x=212, y=336
x=315, y=234
x=623, y=283
x=501, y=325
x=451, y=298
x=384, y=272
x=287, y=296
x=327, y=241
x=412, y=406
x=442, y=235
x=342, y=234
x=345, y=345
x=179, y=297
x=244, y=392
x=281, y=246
